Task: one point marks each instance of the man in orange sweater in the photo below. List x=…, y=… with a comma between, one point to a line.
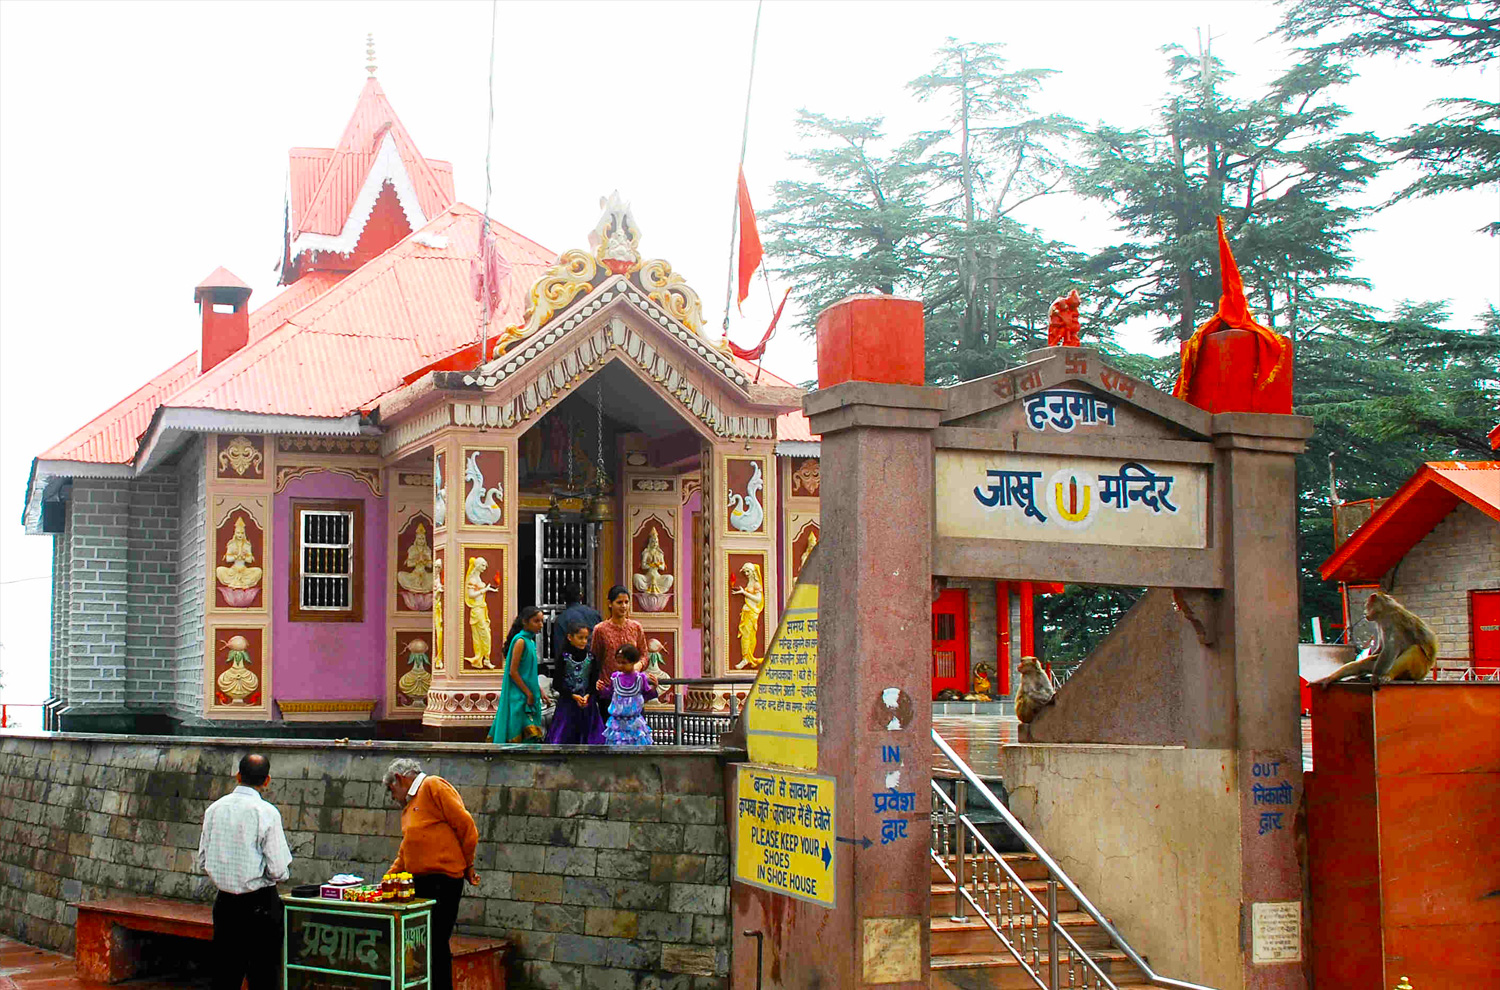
x=437, y=848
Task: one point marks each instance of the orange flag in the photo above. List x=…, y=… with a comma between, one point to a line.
x=1273, y=350
x=750, y=250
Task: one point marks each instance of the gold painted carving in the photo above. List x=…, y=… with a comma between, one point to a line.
x=616, y=239
x=565, y=281
x=328, y=445
x=370, y=477
x=671, y=292
x=240, y=456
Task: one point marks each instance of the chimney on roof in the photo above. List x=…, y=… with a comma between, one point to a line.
x=222, y=301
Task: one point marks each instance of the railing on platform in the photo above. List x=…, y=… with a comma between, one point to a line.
x=681, y=727
x=1026, y=925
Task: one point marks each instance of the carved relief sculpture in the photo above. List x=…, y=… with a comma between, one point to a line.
x=753, y=594
x=415, y=581
x=238, y=580
x=745, y=511
x=806, y=479
x=437, y=610
x=653, y=585
x=482, y=506
x=241, y=455
x=238, y=682
x=812, y=541
x=476, y=592
x=414, y=683
x=439, y=493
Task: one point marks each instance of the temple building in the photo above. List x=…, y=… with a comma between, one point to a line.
x=331, y=511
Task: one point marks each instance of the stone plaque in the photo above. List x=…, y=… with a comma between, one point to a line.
x=1276, y=932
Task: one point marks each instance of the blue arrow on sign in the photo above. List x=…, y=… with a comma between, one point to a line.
x=862, y=843
x=827, y=855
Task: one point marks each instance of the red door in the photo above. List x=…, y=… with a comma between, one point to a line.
x=950, y=641
x=1484, y=621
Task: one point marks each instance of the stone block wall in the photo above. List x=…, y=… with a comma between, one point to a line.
x=192, y=570
x=98, y=580
x=58, y=667
x=151, y=620
x=606, y=869
x=1461, y=554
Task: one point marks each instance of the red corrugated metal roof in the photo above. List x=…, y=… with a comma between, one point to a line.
x=110, y=437
x=1495, y=437
x=321, y=205
x=1410, y=514
x=329, y=344
x=406, y=308
x=789, y=425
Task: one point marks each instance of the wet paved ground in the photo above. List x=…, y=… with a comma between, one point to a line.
x=25, y=967
x=977, y=739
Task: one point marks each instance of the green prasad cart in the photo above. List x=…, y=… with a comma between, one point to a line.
x=349, y=945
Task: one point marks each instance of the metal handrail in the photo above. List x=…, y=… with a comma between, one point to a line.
x=1055, y=877
x=680, y=712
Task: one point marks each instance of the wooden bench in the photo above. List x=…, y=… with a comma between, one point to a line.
x=108, y=950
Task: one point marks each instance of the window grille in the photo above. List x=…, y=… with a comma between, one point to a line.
x=327, y=560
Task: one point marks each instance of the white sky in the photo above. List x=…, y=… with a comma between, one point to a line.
x=144, y=144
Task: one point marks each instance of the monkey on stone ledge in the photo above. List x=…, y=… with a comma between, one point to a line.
x=1405, y=647
x=1035, y=691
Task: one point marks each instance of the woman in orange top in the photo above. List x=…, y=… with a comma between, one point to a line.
x=611, y=634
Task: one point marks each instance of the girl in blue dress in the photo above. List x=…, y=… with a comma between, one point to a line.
x=628, y=691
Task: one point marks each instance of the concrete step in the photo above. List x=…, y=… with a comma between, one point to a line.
x=958, y=937
x=1026, y=865
x=998, y=970
x=943, y=893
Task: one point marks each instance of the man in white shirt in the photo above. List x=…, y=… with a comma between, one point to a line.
x=244, y=852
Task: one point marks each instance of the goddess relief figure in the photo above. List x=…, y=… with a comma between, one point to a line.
x=239, y=681
x=654, y=583
x=475, y=590
x=415, y=682
x=437, y=613
x=812, y=541
x=416, y=580
x=239, y=582
x=750, y=588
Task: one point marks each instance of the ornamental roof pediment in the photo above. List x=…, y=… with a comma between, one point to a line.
x=613, y=257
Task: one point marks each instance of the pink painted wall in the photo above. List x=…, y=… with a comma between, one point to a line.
x=331, y=660
x=691, y=647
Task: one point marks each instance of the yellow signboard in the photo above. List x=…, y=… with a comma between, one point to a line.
x=784, y=828
x=781, y=712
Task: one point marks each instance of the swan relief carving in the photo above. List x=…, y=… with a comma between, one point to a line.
x=481, y=507
x=745, y=511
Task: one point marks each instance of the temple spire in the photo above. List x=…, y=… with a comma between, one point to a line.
x=370, y=54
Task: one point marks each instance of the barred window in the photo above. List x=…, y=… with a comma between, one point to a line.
x=326, y=561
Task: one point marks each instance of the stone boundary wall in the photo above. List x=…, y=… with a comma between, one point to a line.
x=606, y=868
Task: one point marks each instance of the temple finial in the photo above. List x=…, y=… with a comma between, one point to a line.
x=370, y=54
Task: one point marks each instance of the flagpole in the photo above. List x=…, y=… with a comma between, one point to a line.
x=486, y=290
x=734, y=221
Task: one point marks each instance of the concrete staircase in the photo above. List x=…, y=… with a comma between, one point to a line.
x=967, y=956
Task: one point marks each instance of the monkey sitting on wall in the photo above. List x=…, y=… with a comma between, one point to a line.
x=1035, y=691
x=1405, y=647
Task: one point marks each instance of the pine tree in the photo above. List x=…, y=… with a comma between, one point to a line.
x=1460, y=149
x=861, y=223
x=1277, y=168
x=1386, y=395
x=992, y=279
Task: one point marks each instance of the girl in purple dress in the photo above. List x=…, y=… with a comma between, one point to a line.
x=627, y=693
x=576, y=719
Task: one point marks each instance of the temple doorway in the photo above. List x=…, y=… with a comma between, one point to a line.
x=604, y=484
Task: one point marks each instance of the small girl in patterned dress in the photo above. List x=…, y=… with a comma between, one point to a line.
x=627, y=693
